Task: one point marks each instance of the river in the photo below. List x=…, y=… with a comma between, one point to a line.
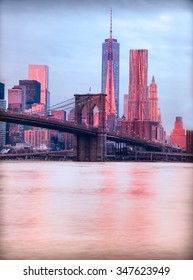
x=113, y=210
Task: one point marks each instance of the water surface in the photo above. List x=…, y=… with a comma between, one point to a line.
x=112, y=210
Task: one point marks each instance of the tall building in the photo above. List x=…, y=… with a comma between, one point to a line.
x=138, y=104
x=32, y=92
x=110, y=72
x=2, y=124
x=17, y=98
x=189, y=141
x=16, y=102
x=40, y=73
x=2, y=91
x=126, y=99
x=178, y=136
x=153, y=101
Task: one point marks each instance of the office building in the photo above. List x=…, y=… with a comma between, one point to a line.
x=2, y=124
x=37, y=108
x=138, y=100
x=189, y=141
x=110, y=72
x=33, y=89
x=178, y=137
x=37, y=137
x=16, y=102
x=126, y=99
x=2, y=91
x=17, y=98
x=40, y=73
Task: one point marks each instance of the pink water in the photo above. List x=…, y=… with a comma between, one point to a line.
x=123, y=210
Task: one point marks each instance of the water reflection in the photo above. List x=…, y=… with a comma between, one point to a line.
x=55, y=210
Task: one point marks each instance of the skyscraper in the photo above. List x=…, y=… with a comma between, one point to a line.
x=2, y=106
x=138, y=102
x=110, y=72
x=16, y=102
x=32, y=92
x=153, y=101
x=17, y=98
x=2, y=91
x=189, y=141
x=40, y=73
x=178, y=136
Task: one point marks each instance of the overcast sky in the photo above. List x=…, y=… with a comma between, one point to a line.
x=68, y=36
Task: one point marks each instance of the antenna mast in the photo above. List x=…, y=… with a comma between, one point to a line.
x=111, y=29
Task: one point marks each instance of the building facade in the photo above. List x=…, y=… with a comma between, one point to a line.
x=37, y=137
x=110, y=73
x=37, y=108
x=2, y=124
x=16, y=102
x=17, y=98
x=153, y=101
x=126, y=100
x=178, y=137
x=33, y=89
x=40, y=73
x=189, y=141
x=2, y=91
x=138, y=100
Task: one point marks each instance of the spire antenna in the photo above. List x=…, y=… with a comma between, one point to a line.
x=111, y=29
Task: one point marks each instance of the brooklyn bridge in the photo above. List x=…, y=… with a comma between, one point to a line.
x=90, y=142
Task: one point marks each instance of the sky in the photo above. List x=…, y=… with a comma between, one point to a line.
x=68, y=35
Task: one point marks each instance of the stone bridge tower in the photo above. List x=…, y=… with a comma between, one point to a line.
x=91, y=147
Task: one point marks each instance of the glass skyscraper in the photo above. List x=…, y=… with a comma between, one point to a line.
x=115, y=67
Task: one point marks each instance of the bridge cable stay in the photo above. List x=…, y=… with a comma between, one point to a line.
x=57, y=104
x=68, y=106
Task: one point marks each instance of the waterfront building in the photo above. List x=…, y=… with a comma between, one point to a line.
x=14, y=133
x=178, y=136
x=110, y=72
x=2, y=124
x=33, y=89
x=40, y=73
x=189, y=141
x=37, y=137
x=138, y=100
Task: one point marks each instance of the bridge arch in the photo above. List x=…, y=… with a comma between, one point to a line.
x=91, y=148
x=90, y=101
x=95, y=116
x=84, y=115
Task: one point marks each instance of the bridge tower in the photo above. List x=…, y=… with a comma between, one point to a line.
x=91, y=147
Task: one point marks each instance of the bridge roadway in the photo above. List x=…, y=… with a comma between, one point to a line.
x=46, y=122
x=78, y=129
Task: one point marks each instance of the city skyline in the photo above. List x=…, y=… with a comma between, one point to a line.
x=74, y=54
